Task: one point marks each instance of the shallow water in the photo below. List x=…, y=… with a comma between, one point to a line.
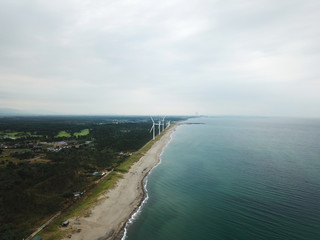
x=235, y=178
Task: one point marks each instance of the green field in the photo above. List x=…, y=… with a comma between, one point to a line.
x=33, y=135
x=83, y=132
x=15, y=135
x=63, y=134
x=12, y=135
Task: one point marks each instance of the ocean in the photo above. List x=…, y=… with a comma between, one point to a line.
x=235, y=179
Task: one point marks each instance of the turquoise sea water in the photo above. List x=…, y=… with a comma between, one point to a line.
x=235, y=178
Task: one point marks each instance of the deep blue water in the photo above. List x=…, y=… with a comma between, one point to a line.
x=235, y=178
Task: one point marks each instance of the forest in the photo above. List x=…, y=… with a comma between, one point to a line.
x=41, y=168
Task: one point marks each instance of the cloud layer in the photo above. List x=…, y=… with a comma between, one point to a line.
x=161, y=57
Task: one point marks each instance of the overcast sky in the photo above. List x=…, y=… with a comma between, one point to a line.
x=215, y=57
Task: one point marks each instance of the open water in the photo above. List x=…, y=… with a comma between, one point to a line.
x=237, y=179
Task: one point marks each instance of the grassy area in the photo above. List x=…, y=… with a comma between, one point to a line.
x=33, y=135
x=12, y=135
x=83, y=132
x=15, y=135
x=63, y=134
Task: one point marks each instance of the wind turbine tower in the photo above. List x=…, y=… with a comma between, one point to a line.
x=153, y=128
x=163, y=123
x=159, y=124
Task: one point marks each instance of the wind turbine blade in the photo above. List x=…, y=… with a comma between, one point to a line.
x=151, y=128
x=152, y=119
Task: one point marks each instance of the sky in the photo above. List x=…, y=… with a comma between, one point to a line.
x=168, y=57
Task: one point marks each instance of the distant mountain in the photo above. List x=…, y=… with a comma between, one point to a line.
x=18, y=112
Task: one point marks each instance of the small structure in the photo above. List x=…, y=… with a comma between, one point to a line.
x=77, y=194
x=95, y=173
x=65, y=223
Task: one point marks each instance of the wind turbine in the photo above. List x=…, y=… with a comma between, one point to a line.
x=163, y=123
x=159, y=124
x=168, y=124
x=153, y=128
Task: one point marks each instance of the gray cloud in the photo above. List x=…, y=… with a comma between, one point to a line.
x=170, y=57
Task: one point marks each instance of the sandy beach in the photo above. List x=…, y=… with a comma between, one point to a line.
x=108, y=218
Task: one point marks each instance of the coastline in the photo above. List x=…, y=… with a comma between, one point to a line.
x=122, y=234
x=109, y=218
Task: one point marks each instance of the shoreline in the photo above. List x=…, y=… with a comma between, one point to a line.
x=122, y=234
x=108, y=219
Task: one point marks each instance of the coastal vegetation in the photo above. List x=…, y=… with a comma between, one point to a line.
x=41, y=173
